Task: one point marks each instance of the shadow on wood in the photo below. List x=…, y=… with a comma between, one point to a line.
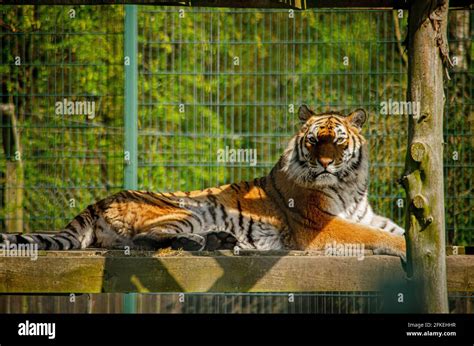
x=95, y=271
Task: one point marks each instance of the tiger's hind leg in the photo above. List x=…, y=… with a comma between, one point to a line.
x=203, y=241
x=159, y=240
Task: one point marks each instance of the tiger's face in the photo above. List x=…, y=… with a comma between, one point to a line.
x=327, y=149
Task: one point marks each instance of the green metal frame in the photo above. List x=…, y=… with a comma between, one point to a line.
x=131, y=94
x=130, y=117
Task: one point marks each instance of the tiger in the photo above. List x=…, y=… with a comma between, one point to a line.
x=316, y=194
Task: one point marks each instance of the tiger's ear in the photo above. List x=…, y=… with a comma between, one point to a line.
x=304, y=113
x=357, y=118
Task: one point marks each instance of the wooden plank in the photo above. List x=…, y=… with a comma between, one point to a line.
x=112, y=271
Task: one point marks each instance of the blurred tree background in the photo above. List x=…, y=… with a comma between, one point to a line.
x=208, y=78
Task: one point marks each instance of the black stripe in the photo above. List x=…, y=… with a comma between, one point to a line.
x=197, y=218
x=74, y=241
x=54, y=242
x=211, y=209
x=358, y=160
x=357, y=198
x=241, y=216
x=167, y=202
x=191, y=226
x=365, y=211
x=235, y=186
x=186, y=223
x=174, y=227
x=299, y=149
x=320, y=121
x=80, y=219
x=71, y=232
x=249, y=232
x=339, y=197
x=19, y=239
x=282, y=200
x=152, y=198
x=44, y=241
x=360, y=191
x=279, y=194
x=132, y=195
x=73, y=229
x=356, y=164
x=64, y=243
x=65, y=238
x=224, y=215
x=35, y=238
x=353, y=144
x=299, y=142
x=232, y=226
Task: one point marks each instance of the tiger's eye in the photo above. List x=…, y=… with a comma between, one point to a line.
x=312, y=139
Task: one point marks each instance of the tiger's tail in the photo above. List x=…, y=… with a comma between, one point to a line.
x=78, y=234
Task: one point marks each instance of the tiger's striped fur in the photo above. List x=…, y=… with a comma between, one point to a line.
x=314, y=195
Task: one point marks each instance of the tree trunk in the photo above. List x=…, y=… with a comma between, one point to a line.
x=14, y=178
x=423, y=180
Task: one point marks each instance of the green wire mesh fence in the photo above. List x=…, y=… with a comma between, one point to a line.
x=54, y=161
x=208, y=79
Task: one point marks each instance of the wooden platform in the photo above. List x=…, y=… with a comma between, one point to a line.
x=94, y=271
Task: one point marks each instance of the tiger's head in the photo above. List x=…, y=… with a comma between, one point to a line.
x=327, y=150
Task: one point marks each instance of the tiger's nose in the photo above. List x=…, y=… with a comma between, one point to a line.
x=325, y=161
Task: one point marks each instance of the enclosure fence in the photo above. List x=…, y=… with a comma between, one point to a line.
x=208, y=79
x=221, y=303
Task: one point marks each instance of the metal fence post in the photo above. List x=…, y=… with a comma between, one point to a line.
x=130, y=121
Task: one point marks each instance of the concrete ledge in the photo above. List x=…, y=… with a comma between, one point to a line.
x=95, y=271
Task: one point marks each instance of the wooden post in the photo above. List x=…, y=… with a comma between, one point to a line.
x=423, y=179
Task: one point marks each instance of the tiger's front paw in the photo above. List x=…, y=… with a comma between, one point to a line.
x=219, y=240
x=206, y=241
x=396, y=248
x=390, y=251
x=188, y=242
